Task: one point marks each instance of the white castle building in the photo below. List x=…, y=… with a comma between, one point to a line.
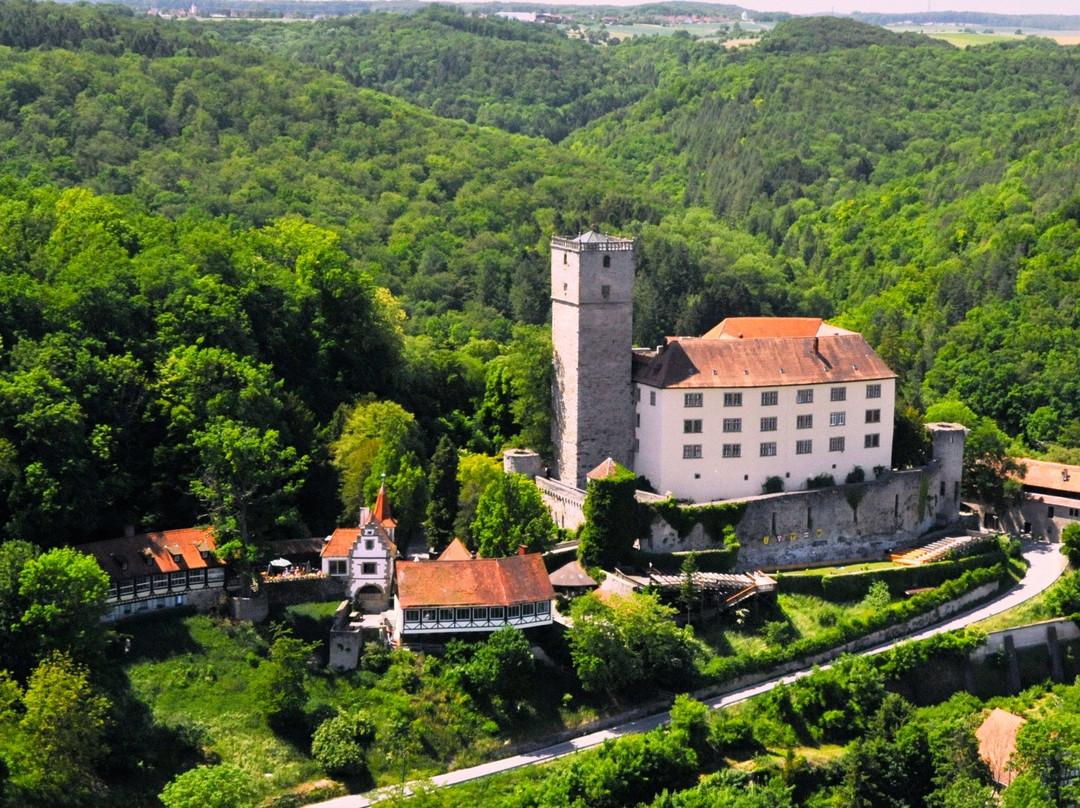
x=713, y=417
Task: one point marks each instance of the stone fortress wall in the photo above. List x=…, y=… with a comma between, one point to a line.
x=842, y=523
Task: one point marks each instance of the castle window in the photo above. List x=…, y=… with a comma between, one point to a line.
x=369, y=544
x=769, y=398
x=872, y=441
x=838, y=394
x=804, y=422
x=637, y=419
x=607, y=260
x=873, y=416
x=732, y=450
x=768, y=424
x=804, y=446
x=692, y=399
x=691, y=425
x=368, y=568
x=804, y=396
x=837, y=418
x=873, y=391
x=1049, y=511
x=836, y=444
x=733, y=424
x=412, y=615
x=446, y=615
x=768, y=449
x=652, y=398
x=691, y=451
x=605, y=291
x=338, y=567
x=462, y=615
x=732, y=399
x=480, y=614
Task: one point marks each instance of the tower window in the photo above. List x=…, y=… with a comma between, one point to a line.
x=565, y=258
x=605, y=291
x=607, y=260
x=652, y=398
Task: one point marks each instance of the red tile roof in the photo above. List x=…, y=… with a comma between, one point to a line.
x=772, y=327
x=1055, y=476
x=997, y=742
x=456, y=551
x=342, y=540
x=149, y=553
x=609, y=468
x=381, y=511
x=478, y=582
x=698, y=362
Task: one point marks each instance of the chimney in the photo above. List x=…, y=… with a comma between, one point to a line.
x=816, y=351
x=522, y=549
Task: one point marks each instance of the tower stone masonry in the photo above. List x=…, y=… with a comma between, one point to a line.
x=592, y=292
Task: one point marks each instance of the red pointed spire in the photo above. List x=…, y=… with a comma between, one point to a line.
x=381, y=512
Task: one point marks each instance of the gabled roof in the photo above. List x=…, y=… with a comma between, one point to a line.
x=571, y=575
x=699, y=362
x=456, y=551
x=477, y=582
x=1054, y=476
x=344, y=539
x=997, y=742
x=150, y=553
x=772, y=328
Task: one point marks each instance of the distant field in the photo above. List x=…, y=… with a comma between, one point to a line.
x=702, y=31
x=963, y=39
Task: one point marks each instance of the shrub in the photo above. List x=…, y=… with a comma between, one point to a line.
x=877, y=596
x=773, y=485
x=1070, y=542
x=209, y=787
x=856, y=475
x=823, y=480
x=339, y=743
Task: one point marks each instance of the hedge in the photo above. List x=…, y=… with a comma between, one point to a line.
x=725, y=668
x=848, y=586
x=707, y=560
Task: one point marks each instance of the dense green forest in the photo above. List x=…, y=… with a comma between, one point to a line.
x=274, y=264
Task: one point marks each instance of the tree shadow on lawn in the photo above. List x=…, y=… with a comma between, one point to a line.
x=153, y=637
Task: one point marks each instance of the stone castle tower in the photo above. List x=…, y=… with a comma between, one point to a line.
x=592, y=292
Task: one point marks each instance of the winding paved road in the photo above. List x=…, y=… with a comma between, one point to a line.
x=1046, y=565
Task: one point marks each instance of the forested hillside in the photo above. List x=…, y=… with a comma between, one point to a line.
x=924, y=195
x=266, y=225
